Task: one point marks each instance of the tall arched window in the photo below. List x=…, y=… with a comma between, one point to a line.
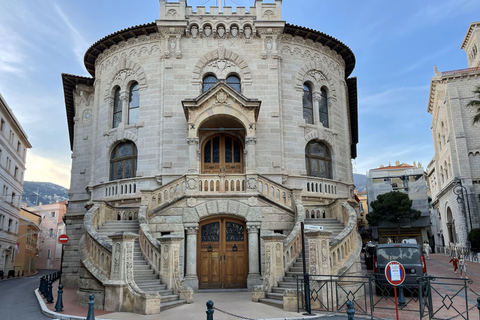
x=133, y=104
x=123, y=161
x=208, y=82
x=234, y=82
x=117, y=108
x=318, y=160
x=323, y=108
x=307, y=103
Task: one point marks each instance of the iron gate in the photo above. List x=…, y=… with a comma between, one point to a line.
x=435, y=297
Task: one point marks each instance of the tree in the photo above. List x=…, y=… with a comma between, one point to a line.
x=392, y=206
x=475, y=103
x=474, y=238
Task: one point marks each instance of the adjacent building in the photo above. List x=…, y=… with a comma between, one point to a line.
x=49, y=249
x=454, y=171
x=218, y=131
x=409, y=179
x=13, y=151
x=27, y=241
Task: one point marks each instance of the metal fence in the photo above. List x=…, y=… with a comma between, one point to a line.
x=435, y=297
x=470, y=254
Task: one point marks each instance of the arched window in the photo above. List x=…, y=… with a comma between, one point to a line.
x=234, y=82
x=123, y=161
x=117, y=108
x=439, y=141
x=318, y=160
x=307, y=103
x=208, y=82
x=323, y=108
x=133, y=104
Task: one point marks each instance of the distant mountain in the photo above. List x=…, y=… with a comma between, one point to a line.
x=35, y=193
x=360, y=181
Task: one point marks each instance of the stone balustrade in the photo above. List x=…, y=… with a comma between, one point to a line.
x=118, y=188
x=275, y=192
x=221, y=183
x=150, y=246
x=292, y=246
x=96, y=249
x=325, y=187
x=167, y=193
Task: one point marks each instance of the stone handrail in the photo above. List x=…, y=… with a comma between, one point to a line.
x=275, y=191
x=96, y=249
x=167, y=193
x=346, y=242
x=150, y=246
x=221, y=183
x=120, y=188
x=325, y=187
x=292, y=245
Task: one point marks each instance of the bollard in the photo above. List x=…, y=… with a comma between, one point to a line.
x=350, y=310
x=40, y=287
x=49, y=293
x=401, y=297
x=43, y=287
x=478, y=305
x=91, y=303
x=23, y=272
x=59, y=305
x=209, y=311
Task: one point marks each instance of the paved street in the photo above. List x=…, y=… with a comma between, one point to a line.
x=18, y=299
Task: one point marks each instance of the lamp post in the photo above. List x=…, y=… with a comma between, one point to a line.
x=458, y=190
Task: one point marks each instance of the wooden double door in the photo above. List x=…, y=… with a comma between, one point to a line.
x=222, y=254
x=222, y=153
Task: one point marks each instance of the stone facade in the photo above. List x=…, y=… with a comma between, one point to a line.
x=13, y=151
x=454, y=171
x=173, y=185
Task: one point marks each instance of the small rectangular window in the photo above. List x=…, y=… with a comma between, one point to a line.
x=19, y=145
x=50, y=233
x=15, y=173
x=2, y=125
x=13, y=197
x=48, y=254
x=54, y=214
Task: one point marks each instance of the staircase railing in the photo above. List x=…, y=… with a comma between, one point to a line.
x=292, y=246
x=275, y=192
x=96, y=249
x=166, y=194
x=150, y=246
x=345, y=244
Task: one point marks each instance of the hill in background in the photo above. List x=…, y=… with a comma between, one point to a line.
x=35, y=193
x=360, y=181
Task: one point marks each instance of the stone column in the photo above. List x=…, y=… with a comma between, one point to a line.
x=253, y=255
x=192, y=155
x=251, y=163
x=121, y=269
x=316, y=96
x=124, y=98
x=319, y=262
x=170, y=273
x=274, y=269
x=191, y=278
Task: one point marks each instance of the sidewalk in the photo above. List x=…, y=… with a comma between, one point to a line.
x=240, y=304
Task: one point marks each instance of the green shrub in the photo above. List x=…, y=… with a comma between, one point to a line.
x=474, y=237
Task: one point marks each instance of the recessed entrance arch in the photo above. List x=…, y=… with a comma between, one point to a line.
x=222, y=260
x=222, y=153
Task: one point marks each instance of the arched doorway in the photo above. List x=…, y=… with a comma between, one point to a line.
x=222, y=153
x=451, y=227
x=222, y=260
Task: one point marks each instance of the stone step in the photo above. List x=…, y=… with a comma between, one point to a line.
x=171, y=304
x=279, y=290
x=275, y=296
x=272, y=302
x=156, y=288
x=289, y=285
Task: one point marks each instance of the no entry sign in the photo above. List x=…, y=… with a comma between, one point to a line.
x=63, y=238
x=395, y=273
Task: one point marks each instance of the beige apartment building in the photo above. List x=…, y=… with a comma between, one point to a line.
x=27, y=241
x=13, y=151
x=200, y=142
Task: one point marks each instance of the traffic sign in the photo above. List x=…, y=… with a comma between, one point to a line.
x=63, y=238
x=395, y=273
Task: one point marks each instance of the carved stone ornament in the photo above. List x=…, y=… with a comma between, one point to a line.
x=269, y=44
x=172, y=43
x=317, y=75
x=252, y=183
x=191, y=184
x=252, y=201
x=234, y=32
x=194, y=31
x=248, y=34
x=207, y=31
x=222, y=97
x=191, y=202
x=221, y=31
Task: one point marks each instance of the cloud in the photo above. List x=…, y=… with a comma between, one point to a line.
x=80, y=44
x=377, y=102
x=12, y=57
x=47, y=170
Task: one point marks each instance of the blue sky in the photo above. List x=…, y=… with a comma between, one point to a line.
x=396, y=44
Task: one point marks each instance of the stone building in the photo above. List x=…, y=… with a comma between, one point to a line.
x=27, y=241
x=409, y=179
x=201, y=141
x=13, y=151
x=454, y=171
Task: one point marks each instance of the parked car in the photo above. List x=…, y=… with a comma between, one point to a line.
x=369, y=253
x=409, y=255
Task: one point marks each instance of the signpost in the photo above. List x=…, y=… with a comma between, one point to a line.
x=395, y=274
x=63, y=238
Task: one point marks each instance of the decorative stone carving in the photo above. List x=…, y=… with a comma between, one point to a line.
x=317, y=75
x=194, y=32
x=269, y=15
x=252, y=183
x=221, y=32
x=252, y=201
x=248, y=35
x=191, y=202
x=172, y=14
x=234, y=31
x=192, y=184
x=207, y=31
x=222, y=96
x=222, y=67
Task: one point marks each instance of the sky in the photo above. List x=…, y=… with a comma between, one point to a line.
x=396, y=43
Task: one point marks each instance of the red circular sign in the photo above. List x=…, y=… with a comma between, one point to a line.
x=395, y=273
x=63, y=238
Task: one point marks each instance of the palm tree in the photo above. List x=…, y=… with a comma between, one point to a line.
x=475, y=103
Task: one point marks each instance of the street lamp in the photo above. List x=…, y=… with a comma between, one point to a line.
x=458, y=190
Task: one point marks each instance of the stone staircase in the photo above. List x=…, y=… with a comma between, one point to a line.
x=145, y=278
x=275, y=298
